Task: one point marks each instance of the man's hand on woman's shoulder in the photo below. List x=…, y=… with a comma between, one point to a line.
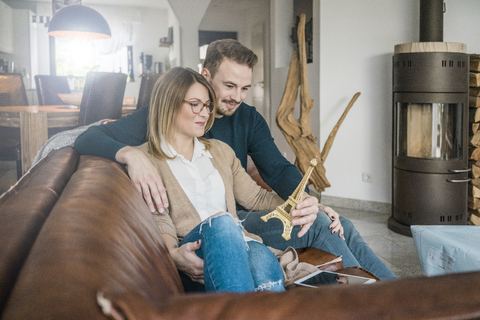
x=145, y=177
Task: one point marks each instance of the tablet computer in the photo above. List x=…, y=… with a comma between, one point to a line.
x=320, y=277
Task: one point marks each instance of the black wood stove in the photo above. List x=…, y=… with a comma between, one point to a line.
x=430, y=128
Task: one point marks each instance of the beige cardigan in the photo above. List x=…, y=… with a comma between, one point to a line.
x=182, y=217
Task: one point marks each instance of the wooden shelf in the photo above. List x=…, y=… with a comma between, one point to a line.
x=165, y=44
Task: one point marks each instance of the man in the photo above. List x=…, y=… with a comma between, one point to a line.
x=228, y=68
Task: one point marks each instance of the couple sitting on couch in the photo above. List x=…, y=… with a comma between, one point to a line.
x=211, y=248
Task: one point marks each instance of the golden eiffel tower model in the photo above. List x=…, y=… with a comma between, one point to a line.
x=282, y=212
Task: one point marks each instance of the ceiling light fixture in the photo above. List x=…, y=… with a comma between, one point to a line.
x=79, y=22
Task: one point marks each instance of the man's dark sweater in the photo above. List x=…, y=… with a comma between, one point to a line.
x=246, y=132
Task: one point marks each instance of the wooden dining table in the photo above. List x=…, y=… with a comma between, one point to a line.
x=34, y=122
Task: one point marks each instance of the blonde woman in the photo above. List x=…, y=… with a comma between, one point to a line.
x=204, y=179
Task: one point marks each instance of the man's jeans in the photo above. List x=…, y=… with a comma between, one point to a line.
x=354, y=250
x=230, y=263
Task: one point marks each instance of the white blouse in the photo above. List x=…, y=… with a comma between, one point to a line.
x=198, y=178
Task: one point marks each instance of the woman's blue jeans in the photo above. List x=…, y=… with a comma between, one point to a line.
x=230, y=263
x=354, y=250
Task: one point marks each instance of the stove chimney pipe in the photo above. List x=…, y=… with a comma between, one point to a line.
x=431, y=20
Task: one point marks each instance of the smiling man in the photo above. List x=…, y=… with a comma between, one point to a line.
x=228, y=68
x=231, y=82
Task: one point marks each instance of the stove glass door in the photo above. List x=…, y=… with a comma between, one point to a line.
x=429, y=130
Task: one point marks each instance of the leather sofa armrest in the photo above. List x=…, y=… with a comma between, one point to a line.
x=450, y=296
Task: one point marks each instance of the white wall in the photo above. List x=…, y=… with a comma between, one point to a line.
x=154, y=25
x=356, y=47
x=462, y=23
x=15, y=27
x=6, y=27
x=22, y=44
x=189, y=14
x=281, y=12
x=251, y=16
x=175, y=57
x=282, y=21
x=42, y=60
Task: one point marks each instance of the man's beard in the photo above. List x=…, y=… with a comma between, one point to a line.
x=226, y=111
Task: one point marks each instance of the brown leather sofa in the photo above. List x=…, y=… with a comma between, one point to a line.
x=76, y=226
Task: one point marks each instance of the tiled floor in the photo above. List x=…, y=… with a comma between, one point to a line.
x=396, y=251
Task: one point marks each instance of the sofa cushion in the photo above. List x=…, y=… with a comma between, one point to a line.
x=99, y=236
x=23, y=210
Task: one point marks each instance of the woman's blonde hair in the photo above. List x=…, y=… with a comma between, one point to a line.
x=165, y=103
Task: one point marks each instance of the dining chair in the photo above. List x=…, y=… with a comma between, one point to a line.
x=12, y=93
x=146, y=87
x=48, y=88
x=102, y=97
x=12, y=90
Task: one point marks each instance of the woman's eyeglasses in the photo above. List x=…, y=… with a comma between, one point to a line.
x=197, y=106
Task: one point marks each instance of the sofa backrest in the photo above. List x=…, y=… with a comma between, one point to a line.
x=99, y=236
x=25, y=207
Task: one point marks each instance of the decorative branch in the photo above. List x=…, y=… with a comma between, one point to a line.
x=331, y=137
x=298, y=133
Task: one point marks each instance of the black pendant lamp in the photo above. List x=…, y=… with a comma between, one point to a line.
x=79, y=22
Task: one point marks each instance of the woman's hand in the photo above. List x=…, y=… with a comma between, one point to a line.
x=336, y=225
x=187, y=260
x=145, y=177
x=307, y=212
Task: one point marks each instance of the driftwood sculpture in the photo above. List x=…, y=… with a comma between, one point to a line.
x=298, y=132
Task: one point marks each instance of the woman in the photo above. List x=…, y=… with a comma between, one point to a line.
x=204, y=179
